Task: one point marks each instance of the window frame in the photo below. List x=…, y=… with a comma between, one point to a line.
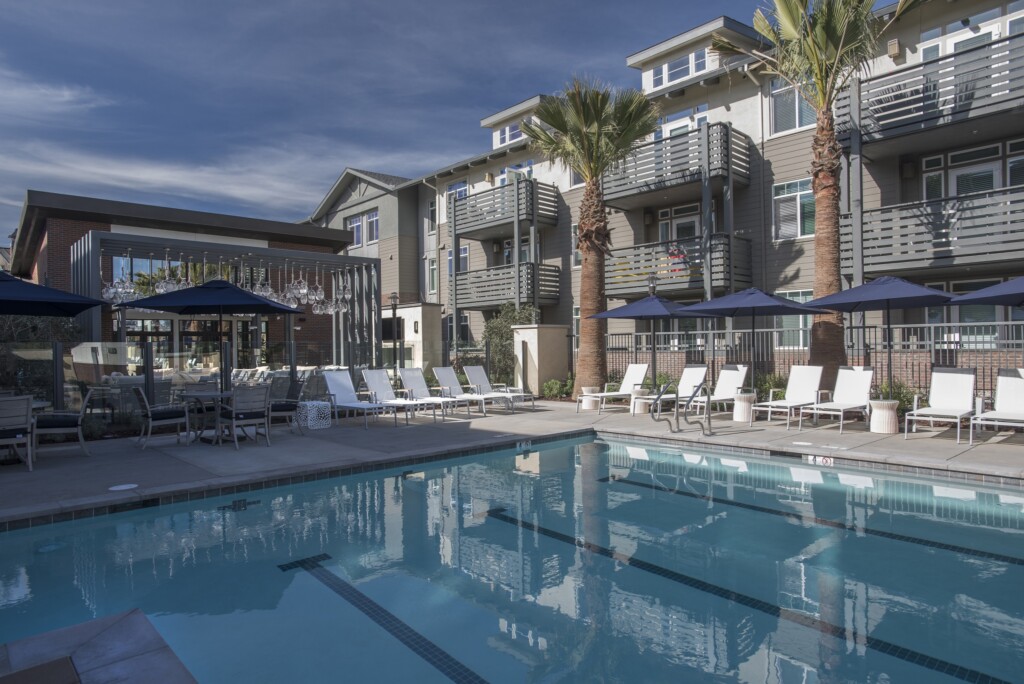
x=373, y=238
x=355, y=225
x=798, y=99
x=803, y=329
x=432, y=217
x=432, y=276
x=775, y=227
x=576, y=257
x=661, y=72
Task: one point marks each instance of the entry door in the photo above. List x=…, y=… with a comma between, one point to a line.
x=684, y=224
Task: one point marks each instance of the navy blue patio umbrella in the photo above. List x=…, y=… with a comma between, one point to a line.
x=22, y=298
x=883, y=294
x=651, y=308
x=1007, y=293
x=752, y=302
x=214, y=297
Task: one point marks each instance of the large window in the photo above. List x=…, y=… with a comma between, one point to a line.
x=789, y=110
x=432, y=275
x=372, y=226
x=463, y=259
x=793, y=332
x=680, y=68
x=355, y=224
x=794, y=209
x=509, y=133
x=525, y=168
x=459, y=188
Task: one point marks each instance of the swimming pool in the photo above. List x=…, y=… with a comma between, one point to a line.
x=566, y=562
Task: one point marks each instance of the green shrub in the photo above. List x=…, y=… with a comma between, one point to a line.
x=902, y=393
x=553, y=389
x=769, y=381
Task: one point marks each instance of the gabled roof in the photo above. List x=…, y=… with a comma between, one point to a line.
x=384, y=181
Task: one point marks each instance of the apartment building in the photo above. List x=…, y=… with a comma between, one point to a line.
x=720, y=198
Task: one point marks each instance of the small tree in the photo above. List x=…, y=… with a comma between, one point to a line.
x=498, y=334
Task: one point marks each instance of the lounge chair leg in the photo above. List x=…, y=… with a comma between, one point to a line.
x=81, y=440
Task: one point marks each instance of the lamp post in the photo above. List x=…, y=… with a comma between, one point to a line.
x=652, y=289
x=394, y=328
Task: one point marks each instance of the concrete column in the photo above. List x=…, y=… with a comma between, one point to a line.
x=534, y=367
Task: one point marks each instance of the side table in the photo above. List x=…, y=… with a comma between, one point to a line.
x=315, y=415
x=741, y=407
x=884, y=420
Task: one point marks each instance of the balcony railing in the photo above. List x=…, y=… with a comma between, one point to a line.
x=679, y=265
x=980, y=227
x=982, y=80
x=497, y=206
x=678, y=160
x=489, y=288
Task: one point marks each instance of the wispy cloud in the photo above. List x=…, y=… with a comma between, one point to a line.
x=28, y=101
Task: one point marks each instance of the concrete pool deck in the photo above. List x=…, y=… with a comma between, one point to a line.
x=67, y=485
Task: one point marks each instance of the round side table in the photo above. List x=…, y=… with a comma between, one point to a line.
x=741, y=407
x=884, y=420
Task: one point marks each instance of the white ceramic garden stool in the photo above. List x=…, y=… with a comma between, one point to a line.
x=315, y=415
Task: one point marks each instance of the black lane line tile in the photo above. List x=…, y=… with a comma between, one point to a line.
x=751, y=602
x=826, y=523
x=440, y=659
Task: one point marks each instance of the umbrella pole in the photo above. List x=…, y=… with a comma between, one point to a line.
x=888, y=336
x=753, y=354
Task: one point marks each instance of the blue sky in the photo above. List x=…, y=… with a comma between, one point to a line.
x=255, y=108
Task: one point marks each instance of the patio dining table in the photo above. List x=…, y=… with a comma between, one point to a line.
x=204, y=398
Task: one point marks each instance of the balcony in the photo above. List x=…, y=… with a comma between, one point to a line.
x=489, y=214
x=489, y=288
x=983, y=80
x=679, y=265
x=678, y=160
x=978, y=228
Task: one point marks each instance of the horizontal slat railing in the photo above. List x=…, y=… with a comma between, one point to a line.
x=977, y=227
x=679, y=265
x=980, y=80
x=497, y=205
x=489, y=288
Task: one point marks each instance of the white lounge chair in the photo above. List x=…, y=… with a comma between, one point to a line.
x=692, y=378
x=852, y=392
x=379, y=384
x=451, y=387
x=342, y=395
x=416, y=385
x=1008, y=408
x=950, y=399
x=801, y=390
x=730, y=382
x=631, y=380
x=477, y=377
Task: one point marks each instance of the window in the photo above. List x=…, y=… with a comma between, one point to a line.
x=793, y=332
x=577, y=255
x=1015, y=171
x=794, y=209
x=432, y=275
x=974, y=154
x=575, y=178
x=355, y=224
x=525, y=168
x=679, y=223
x=459, y=188
x=372, y=226
x=432, y=217
x=463, y=259
x=977, y=178
x=933, y=183
x=681, y=122
x=789, y=110
x=680, y=68
x=509, y=133
x=576, y=327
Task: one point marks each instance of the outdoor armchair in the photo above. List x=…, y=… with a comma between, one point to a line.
x=248, y=406
x=477, y=377
x=801, y=390
x=16, y=425
x=632, y=380
x=63, y=423
x=1008, y=408
x=284, y=400
x=692, y=378
x=950, y=399
x=852, y=392
x=727, y=386
x=155, y=416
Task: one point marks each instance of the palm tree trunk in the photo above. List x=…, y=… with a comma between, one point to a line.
x=593, y=242
x=827, y=348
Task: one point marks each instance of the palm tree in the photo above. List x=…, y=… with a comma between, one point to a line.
x=818, y=48
x=588, y=129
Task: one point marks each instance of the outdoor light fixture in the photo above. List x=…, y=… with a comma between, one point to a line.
x=652, y=284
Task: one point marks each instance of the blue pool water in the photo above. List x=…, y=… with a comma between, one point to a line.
x=578, y=561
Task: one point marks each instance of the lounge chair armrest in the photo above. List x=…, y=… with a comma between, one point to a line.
x=917, y=401
x=406, y=393
x=474, y=388
x=772, y=391
x=608, y=386
x=824, y=393
x=500, y=386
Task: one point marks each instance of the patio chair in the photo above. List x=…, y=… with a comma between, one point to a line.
x=477, y=377
x=248, y=406
x=342, y=395
x=16, y=425
x=1008, y=408
x=692, y=378
x=853, y=390
x=62, y=423
x=950, y=399
x=381, y=392
x=727, y=386
x=801, y=390
x=414, y=383
x=284, y=400
x=632, y=379
x=156, y=415
x=452, y=388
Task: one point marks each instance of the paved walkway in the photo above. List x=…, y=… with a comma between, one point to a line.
x=67, y=484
